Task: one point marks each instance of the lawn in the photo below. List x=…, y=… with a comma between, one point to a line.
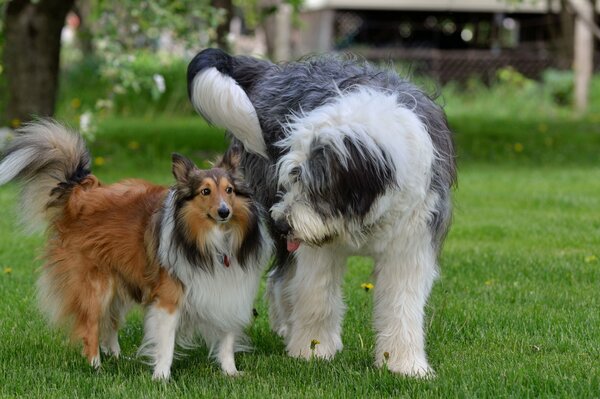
x=515, y=312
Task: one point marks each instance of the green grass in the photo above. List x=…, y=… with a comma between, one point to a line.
x=513, y=314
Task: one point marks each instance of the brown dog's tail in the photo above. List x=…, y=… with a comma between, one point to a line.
x=48, y=160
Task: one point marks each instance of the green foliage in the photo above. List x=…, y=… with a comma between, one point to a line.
x=137, y=92
x=513, y=96
x=254, y=13
x=128, y=74
x=560, y=85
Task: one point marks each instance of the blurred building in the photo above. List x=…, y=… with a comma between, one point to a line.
x=448, y=39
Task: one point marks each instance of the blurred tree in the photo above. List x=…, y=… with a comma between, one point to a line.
x=583, y=62
x=124, y=30
x=275, y=17
x=32, y=31
x=576, y=42
x=113, y=31
x=223, y=27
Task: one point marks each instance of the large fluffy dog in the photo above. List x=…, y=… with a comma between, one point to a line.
x=350, y=159
x=192, y=254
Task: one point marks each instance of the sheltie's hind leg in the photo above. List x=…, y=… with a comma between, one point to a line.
x=111, y=322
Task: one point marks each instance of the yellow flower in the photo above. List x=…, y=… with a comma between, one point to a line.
x=367, y=286
x=75, y=103
x=518, y=147
x=489, y=282
x=99, y=161
x=313, y=344
x=7, y=270
x=15, y=123
x=543, y=128
x=133, y=145
x=591, y=258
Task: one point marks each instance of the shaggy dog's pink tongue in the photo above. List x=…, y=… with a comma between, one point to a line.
x=292, y=244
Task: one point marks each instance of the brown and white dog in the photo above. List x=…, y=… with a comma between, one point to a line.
x=192, y=254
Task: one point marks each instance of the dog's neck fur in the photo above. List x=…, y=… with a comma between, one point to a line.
x=219, y=247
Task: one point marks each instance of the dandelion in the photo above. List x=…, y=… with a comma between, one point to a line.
x=543, y=128
x=99, y=161
x=591, y=258
x=7, y=270
x=75, y=103
x=367, y=286
x=15, y=123
x=518, y=147
x=313, y=344
x=489, y=282
x=133, y=145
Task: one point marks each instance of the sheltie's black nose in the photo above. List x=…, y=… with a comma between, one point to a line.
x=223, y=212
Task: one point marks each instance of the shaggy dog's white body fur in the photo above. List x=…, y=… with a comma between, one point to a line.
x=310, y=305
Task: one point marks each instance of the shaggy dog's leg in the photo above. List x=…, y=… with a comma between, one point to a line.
x=278, y=295
x=318, y=307
x=404, y=276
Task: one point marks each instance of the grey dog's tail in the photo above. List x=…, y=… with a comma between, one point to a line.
x=219, y=87
x=48, y=160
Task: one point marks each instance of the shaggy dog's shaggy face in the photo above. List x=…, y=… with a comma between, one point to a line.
x=350, y=159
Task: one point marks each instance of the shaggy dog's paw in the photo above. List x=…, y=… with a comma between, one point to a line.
x=408, y=367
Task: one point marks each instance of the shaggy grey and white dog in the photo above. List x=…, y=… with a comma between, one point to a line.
x=350, y=159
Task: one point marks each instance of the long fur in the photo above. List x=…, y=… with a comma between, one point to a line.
x=191, y=254
x=357, y=161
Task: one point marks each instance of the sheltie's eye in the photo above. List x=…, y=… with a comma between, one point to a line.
x=205, y=191
x=229, y=190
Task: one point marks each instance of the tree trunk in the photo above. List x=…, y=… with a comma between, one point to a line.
x=85, y=34
x=32, y=56
x=584, y=55
x=282, y=50
x=223, y=28
x=567, y=29
x=268, y=10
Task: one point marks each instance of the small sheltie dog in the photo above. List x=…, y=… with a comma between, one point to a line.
x=191, y=254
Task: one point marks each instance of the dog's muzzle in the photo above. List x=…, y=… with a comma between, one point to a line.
x=284, y=228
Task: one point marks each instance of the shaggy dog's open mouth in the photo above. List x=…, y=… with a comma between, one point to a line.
x=292, y=243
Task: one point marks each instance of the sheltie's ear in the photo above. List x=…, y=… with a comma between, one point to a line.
x=182, y=167
x=231, y=159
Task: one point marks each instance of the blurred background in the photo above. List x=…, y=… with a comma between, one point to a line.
x=85, y=60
